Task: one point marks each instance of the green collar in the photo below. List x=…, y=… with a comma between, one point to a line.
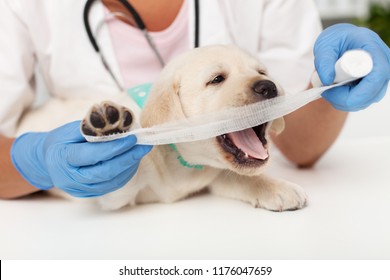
x=182, y=161
x=139, y=94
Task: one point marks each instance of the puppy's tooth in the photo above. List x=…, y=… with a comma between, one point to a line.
x=246, y=155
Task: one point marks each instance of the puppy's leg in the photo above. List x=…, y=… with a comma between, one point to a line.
x=260, y=191
x=122, y=197
x=104, y=119
x=107, y=118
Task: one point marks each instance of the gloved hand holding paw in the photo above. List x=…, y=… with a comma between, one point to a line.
x=62, y=158
x=332, y=43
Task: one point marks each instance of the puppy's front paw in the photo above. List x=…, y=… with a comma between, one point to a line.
x=107, y=118
x=112, y=203
x=281, y=197
x=116, y=200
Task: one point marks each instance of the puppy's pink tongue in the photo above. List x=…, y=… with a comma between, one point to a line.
x=248, y=142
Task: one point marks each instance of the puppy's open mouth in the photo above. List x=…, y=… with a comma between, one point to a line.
x=248, y=146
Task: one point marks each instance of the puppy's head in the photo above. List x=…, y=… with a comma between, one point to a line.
x=207, y=80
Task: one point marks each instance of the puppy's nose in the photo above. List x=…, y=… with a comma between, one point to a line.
x=266, y=89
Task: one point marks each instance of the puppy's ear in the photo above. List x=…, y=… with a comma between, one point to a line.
x=163, y=104
x=277, y=126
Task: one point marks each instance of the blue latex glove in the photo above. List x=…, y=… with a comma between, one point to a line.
x=62, y=158
x=330, y=46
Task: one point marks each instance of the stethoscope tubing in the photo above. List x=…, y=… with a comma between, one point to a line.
x=140, y=24
x=138, y=20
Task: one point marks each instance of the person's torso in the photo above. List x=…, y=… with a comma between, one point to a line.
x=67, y=60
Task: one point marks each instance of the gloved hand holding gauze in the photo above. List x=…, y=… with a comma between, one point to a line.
x=352, y=66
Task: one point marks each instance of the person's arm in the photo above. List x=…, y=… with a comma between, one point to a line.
x=17, y=91
x=12, y=184
x=309, y=132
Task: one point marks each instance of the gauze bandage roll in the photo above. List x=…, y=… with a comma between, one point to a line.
x=351, y=66
x=354, y=64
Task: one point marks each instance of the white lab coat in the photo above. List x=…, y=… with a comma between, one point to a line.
x=52, y=34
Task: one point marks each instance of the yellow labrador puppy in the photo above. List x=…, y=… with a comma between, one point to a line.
x=201, y=81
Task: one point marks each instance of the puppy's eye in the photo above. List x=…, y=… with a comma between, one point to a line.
x=262, y=72
x=218, y=79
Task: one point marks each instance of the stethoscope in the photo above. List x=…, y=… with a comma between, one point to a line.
x=140, y=24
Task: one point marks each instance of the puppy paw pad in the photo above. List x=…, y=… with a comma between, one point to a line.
x=112, y=114
x=127, y=118
x=97, y=120
x=87, y=130
x=107, y=118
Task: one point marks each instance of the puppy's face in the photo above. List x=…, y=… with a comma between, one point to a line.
x=207, y=80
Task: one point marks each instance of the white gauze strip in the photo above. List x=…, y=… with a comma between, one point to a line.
x=239, y=118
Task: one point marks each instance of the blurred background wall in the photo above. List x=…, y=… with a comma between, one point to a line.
x=374, y=14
